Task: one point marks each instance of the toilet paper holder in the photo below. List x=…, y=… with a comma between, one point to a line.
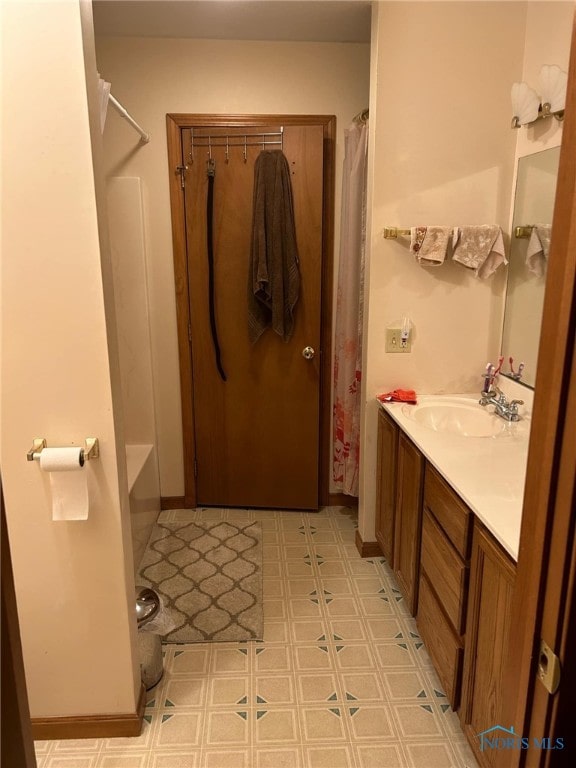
x=90, y=451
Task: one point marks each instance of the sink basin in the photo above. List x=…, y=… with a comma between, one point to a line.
x=456, y=416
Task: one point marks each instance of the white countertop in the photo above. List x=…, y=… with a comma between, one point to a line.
x=488, y=473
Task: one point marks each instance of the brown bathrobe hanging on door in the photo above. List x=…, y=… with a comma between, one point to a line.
x=274, y=281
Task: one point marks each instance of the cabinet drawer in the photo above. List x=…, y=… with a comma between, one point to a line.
x=445, y=569
x=452, y=514
x=444, y=648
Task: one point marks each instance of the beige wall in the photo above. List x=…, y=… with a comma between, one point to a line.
x=74, y=581
x=441, y=152
x=151, y=77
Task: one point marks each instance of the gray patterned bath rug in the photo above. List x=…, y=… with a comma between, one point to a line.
x=209, y=576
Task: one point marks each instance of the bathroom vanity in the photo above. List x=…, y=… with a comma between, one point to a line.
x=449, y=504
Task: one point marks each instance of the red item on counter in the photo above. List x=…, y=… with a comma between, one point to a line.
x=398, y=396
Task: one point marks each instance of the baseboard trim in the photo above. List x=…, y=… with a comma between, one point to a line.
x=342, y=500
x=90, y=726
x=367, y=548
x=173, y=502
x=181, y=502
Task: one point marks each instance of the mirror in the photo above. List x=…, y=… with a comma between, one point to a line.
x=533, y=209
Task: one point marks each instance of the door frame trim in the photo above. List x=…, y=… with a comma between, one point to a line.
x=545, y=595
x=174, y=124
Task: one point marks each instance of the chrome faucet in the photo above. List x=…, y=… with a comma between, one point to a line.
x=506, y=409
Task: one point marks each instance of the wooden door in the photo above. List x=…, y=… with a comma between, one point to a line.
x=408, y=520
x=257, y=432
x=386, y=488
x=16, y=731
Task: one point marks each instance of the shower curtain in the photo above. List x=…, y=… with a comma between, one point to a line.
x=348, y=332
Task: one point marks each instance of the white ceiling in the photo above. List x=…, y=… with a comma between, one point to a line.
x=302, y=20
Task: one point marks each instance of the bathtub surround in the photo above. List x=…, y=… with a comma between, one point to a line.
x=144, y=495
x=209, y=576
x=131, y=302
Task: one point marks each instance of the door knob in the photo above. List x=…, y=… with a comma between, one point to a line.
x=308, y=353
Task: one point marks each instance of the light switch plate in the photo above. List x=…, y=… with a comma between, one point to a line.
x=394, y=341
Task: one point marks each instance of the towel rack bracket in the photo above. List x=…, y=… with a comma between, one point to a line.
x=390, y=233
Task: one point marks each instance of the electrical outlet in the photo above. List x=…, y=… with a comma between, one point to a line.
x=394, y=341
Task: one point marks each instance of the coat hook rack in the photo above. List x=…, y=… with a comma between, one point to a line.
x=228, y=141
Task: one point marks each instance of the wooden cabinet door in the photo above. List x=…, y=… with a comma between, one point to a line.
x=386, y=485
x=492, y=579
x=408, y=520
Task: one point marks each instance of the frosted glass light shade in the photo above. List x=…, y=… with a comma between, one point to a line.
x=552, y=84
x=525, y=103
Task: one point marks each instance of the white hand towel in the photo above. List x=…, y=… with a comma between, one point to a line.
x=538, y=247
x=429, y=244
x=479, y=247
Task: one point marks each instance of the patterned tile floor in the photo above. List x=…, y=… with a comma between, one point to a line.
x=341, y=679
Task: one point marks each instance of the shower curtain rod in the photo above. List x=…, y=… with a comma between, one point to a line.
x=144, y=137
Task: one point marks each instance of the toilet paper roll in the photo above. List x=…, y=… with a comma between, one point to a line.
x=68, y=485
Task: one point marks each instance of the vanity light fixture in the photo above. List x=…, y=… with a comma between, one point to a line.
x=525, y=104
x=528, y=106
x=553, y=82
